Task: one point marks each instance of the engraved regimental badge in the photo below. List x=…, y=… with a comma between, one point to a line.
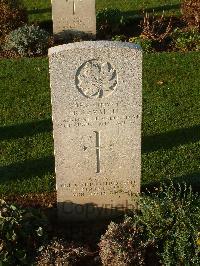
x=95, y=79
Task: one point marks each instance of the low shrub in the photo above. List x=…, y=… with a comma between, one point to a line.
x=21, y=232
x=155, y=33
x=28, y=41
x=146, y=44
x=109, y=21
x=122, y=244
x=61, y=252
x=170, y=218
x=191, y=12
x=185, y=40
x=169, y=224
x=156, y=28
x=13, y=15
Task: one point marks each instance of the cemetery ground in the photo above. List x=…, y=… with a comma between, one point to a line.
x=170, y=151
x=170, y=145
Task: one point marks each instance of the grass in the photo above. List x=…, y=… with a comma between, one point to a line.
x=171, y=123
x=171, y=133
x=40, y=10
x=131, y=6
x=26, y=147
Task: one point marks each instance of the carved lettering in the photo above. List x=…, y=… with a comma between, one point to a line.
x=99, y=188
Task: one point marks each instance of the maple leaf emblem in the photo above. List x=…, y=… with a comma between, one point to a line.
x=96, y=79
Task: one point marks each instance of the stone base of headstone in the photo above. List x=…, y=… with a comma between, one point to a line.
x=72, y=36
x=79, y=211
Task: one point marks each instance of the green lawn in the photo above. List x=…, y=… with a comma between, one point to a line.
x=40, y=10
x=138, y=5
x=171, y=121
x=171, y=133
x=26, y=147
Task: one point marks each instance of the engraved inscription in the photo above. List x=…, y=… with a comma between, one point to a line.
x=98, y=188
x=95, y=79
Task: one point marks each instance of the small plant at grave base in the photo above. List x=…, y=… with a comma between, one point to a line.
x=28, y=41
x=21, y=233
x=156, y=28
x=119, y=38
x=13, y=15
x=60, y=252
x=185, y=40
x=122, y=244
x=170, y=218
x=169, y=230
x=191, y=13
x=109, y=21
x=146, y=44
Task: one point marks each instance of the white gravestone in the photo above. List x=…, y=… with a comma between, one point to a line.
x=73, y=18
x=96, y=90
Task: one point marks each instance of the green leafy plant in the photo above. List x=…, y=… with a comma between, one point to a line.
x=186, y=40
x=28, y=41
x=118, y=38
x=21, y=232
x=13, y=15
x=170, y=218
x=166, y=227
x=146, y=44
x=109, y=21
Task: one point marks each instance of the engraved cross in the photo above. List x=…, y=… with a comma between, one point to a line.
x=74, y=6
x=98, y=151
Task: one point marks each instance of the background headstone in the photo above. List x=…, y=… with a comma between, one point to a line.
x=97, y=106
x=73, y=18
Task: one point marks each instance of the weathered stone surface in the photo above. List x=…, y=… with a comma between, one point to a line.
x=73, y=18
x=97, y=106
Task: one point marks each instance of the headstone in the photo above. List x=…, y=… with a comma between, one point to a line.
x=96, y=90
x=73, y=18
